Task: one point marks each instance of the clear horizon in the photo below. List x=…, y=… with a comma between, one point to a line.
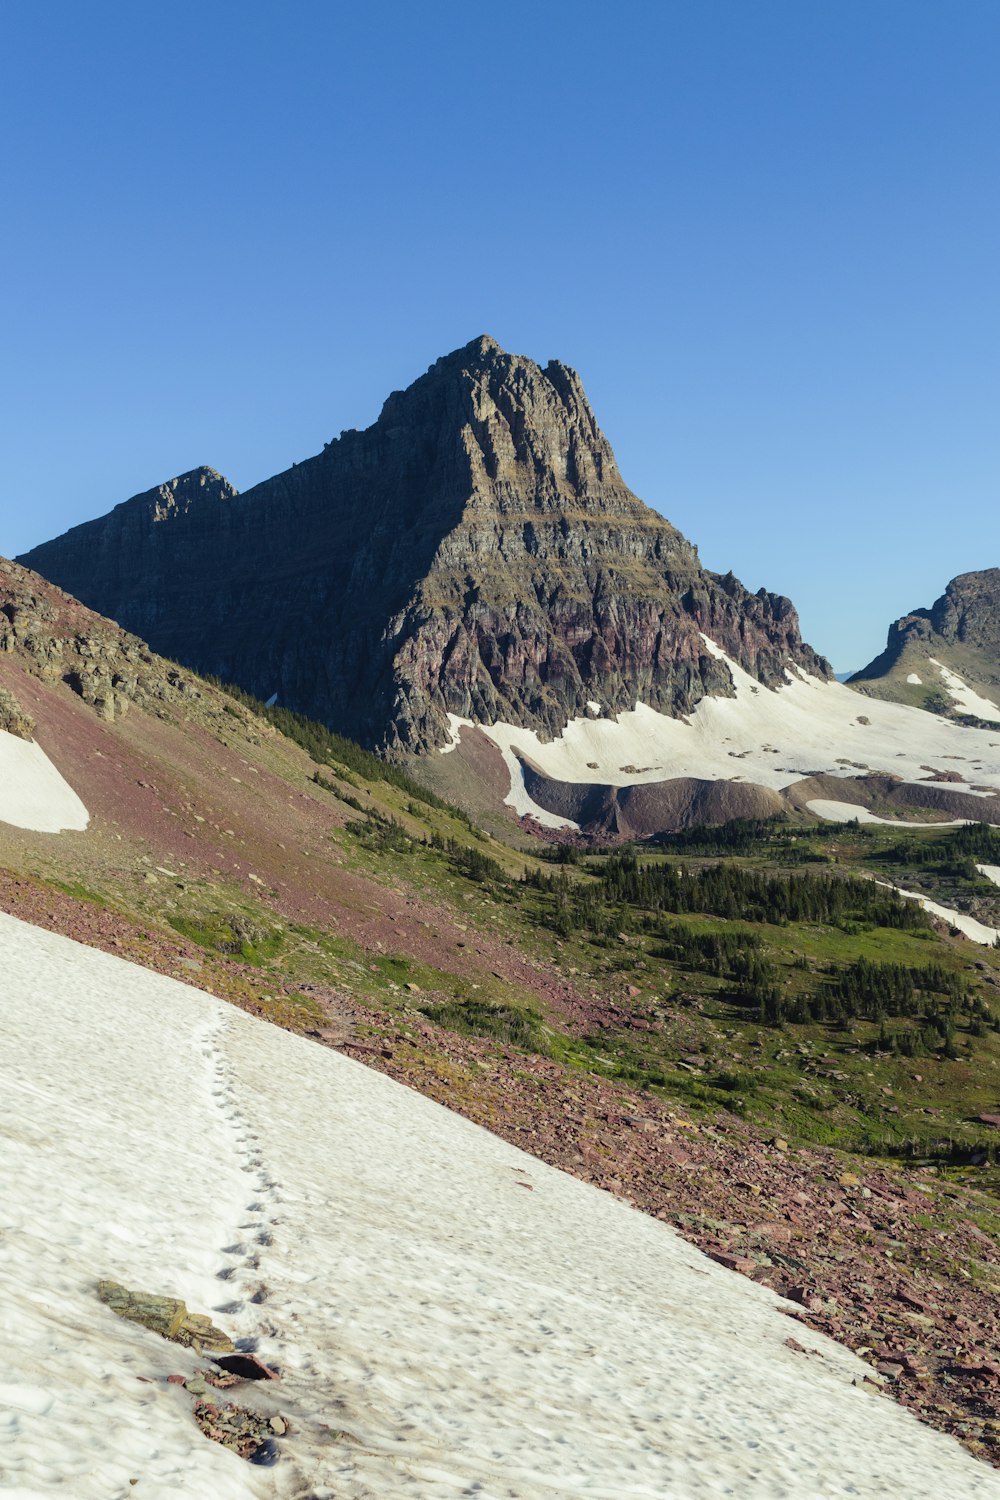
x=765, y=238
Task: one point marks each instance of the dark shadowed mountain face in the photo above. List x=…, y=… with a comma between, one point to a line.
x=473, y=552
x=960, y=633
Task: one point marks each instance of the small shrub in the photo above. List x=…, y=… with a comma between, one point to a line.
x=511, y=1024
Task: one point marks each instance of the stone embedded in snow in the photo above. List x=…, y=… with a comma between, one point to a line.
x=439, y=1330
x=33, y=794
x=246, y=1366
x=167, y=1316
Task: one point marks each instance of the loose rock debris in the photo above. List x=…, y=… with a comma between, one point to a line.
x=248, y=1433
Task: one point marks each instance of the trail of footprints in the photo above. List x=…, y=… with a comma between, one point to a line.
x=242, y=1258
x=255, y=1229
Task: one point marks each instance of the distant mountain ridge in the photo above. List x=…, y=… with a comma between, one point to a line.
x=474, y=552
x=958, y=637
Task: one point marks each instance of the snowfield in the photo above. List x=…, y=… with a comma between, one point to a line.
x=32, y=793
x=851, y=812
x=771, y=737
x=451, y=1317
x=964, y=697
x=978, y=932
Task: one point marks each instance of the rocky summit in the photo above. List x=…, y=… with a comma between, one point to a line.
x=948, y=654
x=474, y=552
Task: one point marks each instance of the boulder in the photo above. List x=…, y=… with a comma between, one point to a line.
x=167, y=1316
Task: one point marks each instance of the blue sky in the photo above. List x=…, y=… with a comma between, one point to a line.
x=767, y=234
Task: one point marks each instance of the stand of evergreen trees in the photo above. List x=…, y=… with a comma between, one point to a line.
x=956, y=855
x=470, y=861
x=740, y=836
x=727, y=890
x=713, y=953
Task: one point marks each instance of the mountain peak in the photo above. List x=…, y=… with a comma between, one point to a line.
x=474, y=552
x=950, y=650
x=192, y=488
x=482, y=347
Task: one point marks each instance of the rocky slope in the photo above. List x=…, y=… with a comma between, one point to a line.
x=48, y=635
x=474, y=552
x=959, y=636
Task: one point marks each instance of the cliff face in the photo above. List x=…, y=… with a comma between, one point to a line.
x=960, y=631
x=475, y=551
x=969, y=612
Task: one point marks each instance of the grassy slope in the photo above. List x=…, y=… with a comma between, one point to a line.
x=377, y=835
x=414, y=941
x=972, y=665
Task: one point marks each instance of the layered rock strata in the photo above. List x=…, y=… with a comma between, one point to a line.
x=474, y=552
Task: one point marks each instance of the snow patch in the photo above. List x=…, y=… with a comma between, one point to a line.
x=915, y=678
x=850, y=812
x=33, y=794
x=441, y=1330
x=117, y=1163
x=964, y=697
x=454, y=733
x=977, y=931
x=518, y=797
x=992, y=872
x=768, y=737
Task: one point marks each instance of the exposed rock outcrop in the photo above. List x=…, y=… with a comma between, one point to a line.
x=13, y=719
x=960, y=632
x=54, y=638
x=614, y=813
x=475, y=551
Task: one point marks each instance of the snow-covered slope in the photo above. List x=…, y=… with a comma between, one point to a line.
x=964, y=697
x=32, y=792
x=772, y=737
x=978, y=932
x=451, y=1316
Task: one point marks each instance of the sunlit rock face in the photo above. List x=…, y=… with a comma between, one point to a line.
x=474, y=552
x=948, y=654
